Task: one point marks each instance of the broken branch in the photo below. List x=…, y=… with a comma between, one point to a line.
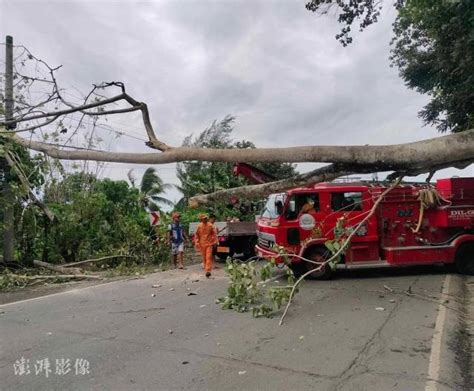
x=57, y=268
x=96, y=260
x=36, y=277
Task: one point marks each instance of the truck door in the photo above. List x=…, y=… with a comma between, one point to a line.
x=354, y=206
x=303, y=212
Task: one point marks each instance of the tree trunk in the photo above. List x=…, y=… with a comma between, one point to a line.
x=8, y=224
x=450, y=149
x=454, y=150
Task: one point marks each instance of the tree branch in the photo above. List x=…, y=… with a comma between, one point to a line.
x=96, y=260
x=64, y=112
x=55, y=277
x=59, y=268
x=31, y=127
x=152, y=143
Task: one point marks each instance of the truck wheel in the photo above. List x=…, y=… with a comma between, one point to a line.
x=318, y=255
x=222, y=257
x=465, y=259
x=249, y=251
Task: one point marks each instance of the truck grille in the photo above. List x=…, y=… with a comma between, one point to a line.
x=266, y=240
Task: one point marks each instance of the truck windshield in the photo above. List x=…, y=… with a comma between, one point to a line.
x=274, y=206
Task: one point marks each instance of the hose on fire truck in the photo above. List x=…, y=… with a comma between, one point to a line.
x=429, y=198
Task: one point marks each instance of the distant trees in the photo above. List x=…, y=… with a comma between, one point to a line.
x=200, y=177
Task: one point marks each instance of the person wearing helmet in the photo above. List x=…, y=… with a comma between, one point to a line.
x=205, y=239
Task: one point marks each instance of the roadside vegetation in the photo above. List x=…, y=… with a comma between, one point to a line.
x=94, y=218
x=95, y=227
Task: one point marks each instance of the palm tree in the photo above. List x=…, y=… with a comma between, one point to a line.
x=151, y=186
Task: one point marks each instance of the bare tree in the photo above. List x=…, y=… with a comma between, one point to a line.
x=455, y=150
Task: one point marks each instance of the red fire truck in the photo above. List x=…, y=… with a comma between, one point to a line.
x=401, y=232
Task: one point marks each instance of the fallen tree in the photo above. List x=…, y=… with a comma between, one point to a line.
x=454, y=150
x=426, y=156
x=447, y=150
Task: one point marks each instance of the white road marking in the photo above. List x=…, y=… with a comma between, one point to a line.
x=62, y=293
x=106, y=284
x=435, y=356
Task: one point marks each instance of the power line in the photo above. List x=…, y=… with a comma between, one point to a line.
x=138, y=135
x=104, y=127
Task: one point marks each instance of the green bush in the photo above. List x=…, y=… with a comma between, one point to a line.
x=93, y=218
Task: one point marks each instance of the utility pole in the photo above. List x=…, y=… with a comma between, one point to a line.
x=9, y=80
x=8, y=195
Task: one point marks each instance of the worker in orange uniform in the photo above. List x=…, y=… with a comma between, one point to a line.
x=205, y=239
x=308, y=207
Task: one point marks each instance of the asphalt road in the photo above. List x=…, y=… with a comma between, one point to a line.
x=350, y=333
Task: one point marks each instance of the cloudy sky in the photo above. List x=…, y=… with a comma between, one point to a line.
x=272, y=64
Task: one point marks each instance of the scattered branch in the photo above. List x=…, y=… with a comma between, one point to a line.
x=55, y=277
x=96, y=260
x=57, y=268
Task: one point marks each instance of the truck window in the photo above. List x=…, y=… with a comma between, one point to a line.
x=270, y=210
x=302, y=203
x=346, y=201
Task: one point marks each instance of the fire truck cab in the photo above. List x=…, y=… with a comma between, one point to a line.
x=401, y=232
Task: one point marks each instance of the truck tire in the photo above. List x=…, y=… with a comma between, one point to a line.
x=319, y=255
x=465, y=259
x=222, y=258
x=249, y=251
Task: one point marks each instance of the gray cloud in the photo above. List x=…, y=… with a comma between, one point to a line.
x=272, y=64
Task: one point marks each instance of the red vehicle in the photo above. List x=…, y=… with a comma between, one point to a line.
x=303, y=219
x=253, y=174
